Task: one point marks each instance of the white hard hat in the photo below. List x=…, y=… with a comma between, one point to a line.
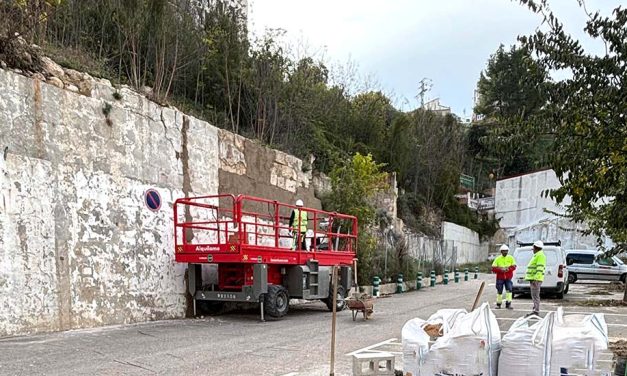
x=538, y=244
x=299, y=202
x=504, y=247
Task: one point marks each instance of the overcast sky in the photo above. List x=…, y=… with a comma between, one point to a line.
x=402, y=41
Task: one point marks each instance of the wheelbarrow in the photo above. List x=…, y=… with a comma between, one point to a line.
x=363, y=303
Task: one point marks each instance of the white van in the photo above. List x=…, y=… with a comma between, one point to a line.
x=555, y=274
x=591, y=264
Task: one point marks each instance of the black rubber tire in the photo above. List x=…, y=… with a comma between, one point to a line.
x=572, y=277
x=340, y=304
x=623, y=278
x=567, y=288
x=276, y=302
x=560, y=295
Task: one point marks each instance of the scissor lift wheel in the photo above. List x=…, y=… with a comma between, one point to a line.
x=276, y=301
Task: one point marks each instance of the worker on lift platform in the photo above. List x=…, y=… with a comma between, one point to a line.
x=298, y=225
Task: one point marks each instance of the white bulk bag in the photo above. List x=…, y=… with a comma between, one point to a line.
x=470, y=347
x=416, y=341
x=577, y=341
x=555, y=342
x=446, y=317
x=415, y=344
x=524, y=348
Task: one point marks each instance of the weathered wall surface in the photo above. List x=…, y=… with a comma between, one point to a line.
x=519, y=201
x=386, y=200
x=465, y=242
x=458, y=245
x=78, y=247
x=249, y=168
x=525, y=215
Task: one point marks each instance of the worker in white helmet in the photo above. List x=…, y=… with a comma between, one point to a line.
x=504, y=266
x=535, y=275
x=298, y=225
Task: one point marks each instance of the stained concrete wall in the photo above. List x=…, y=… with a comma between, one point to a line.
x=519, y=200
x=251, y=169
x=466, y=243
x=458, y=245
x=78, y=247
x=525, y=215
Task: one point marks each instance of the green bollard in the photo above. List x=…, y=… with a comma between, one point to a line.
x=433, y=278
x=456, y=276
x=419, y=281
x=445, y=277
x=476, y=272
x=399, y=283
x=375, y=285
x=465, y=274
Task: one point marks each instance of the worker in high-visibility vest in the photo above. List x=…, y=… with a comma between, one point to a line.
x=504, y=266
x=535, y=275
x=298, y=225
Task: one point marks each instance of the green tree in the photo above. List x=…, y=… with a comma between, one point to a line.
x=371, y=118
x=354, y=183
x=511, y=87
x=586, y=114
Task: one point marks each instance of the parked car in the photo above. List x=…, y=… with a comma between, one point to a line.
x=555, y=274
x=590, y=264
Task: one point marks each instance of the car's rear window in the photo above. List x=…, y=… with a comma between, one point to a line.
x=579, y=258
x=523, y=256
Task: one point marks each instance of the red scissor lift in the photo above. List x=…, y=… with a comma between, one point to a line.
x=257, y=258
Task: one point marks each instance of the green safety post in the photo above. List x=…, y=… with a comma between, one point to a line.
x=433, y=278
x=465, y=274
x=445, y=277
x=476, y=272
x=456, y=275
x=419, y=281
x=399, y=283
x=375, y=285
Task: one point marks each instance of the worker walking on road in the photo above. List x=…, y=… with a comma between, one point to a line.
x=298, y=225
x=535, y=275
x=504, y=266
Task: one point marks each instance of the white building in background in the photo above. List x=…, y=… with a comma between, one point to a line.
x=475, y=100
x=527, y=215
x=435, y=106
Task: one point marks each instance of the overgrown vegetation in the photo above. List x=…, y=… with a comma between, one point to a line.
x=575, y=125
x=511, y=87
x=354, y=183
x=198, y=55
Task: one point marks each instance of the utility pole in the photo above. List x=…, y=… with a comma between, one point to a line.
x=425, y=85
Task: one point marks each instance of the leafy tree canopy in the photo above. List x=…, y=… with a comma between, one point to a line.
x=586, y=115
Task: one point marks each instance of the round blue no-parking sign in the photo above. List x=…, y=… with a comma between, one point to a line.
x=152, y=199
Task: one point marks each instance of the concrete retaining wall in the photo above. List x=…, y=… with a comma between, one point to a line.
x=78, y=246
x=527, y=215
x=458, y=245
x=465, y=242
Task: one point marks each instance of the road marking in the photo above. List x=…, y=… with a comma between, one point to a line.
x=514, y=319
x=369, y=348
x=290, y=374
x=580, y=313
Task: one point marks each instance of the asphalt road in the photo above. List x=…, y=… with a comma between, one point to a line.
x=238, y=344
